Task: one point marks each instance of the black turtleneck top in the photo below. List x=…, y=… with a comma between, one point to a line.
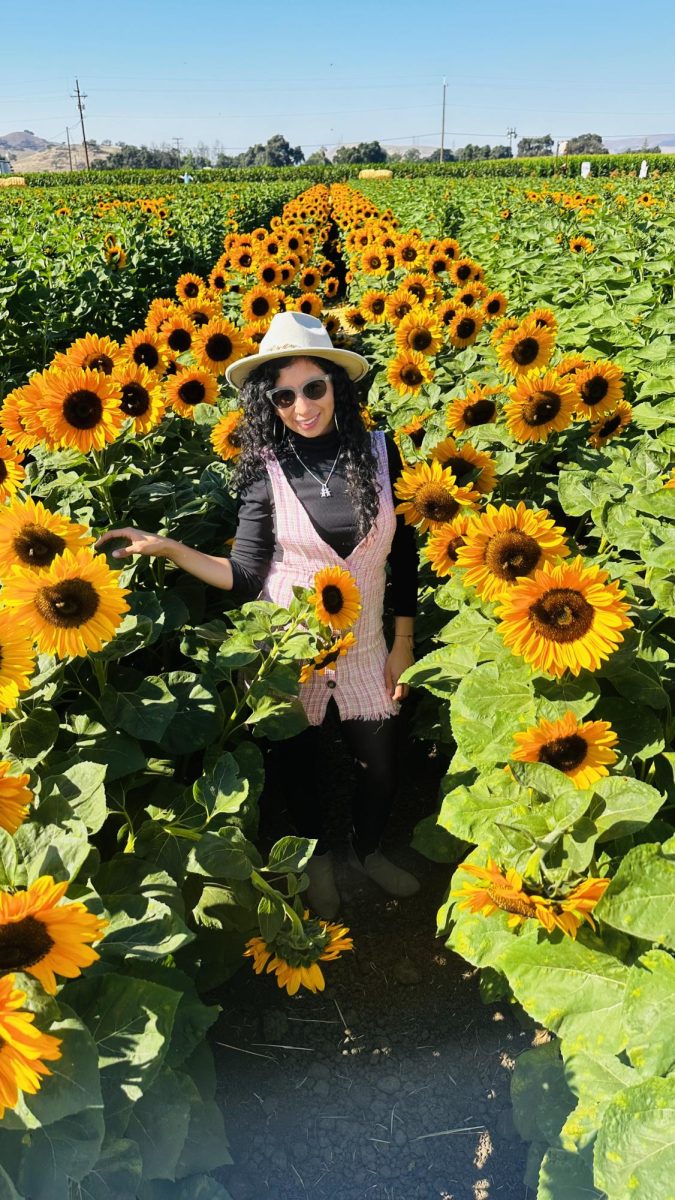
x=256, y=544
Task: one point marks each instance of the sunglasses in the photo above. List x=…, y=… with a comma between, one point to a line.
x=312, y=389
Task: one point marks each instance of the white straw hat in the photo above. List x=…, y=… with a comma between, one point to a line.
x=296, y=333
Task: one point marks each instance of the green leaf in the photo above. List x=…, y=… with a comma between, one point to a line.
x=557, y=696
x=223, y=790
x=33, y=735
x=290, y=854
x=146, y=712
x=57, y=850
x=65, y=1150
x=159, y=1123
x=540, y=1096
x=206, y=1146
x=565, y=1176
x=635, y=1150
x=7, y=1189
x=192, y=1019
x=224, y=855
x=435, y=843
x=198, y=719
x=649, y=1013
x=573, y=988
x=622, y=805
x=491, y=704
x=594, y=1078
x=273, y=716
x=78, y=791
x=117, y=1174
x=142, y=927
x=270, y=918
x=641, y=897
x=639, y=730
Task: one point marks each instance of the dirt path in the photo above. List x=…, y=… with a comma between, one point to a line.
x=393, y=1084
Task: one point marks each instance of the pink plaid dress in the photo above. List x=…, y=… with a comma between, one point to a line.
x=357, y=679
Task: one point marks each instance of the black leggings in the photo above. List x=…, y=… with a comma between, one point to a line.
x=302, y=776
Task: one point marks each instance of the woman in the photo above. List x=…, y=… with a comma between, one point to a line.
x=316, y=491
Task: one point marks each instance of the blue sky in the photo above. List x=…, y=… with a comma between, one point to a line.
x=339, y=72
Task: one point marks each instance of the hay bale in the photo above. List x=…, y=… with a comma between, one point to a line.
x=371, y=173
x=12, y=181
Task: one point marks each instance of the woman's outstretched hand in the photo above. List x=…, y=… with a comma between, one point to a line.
x=139, y=541
x=400, y=657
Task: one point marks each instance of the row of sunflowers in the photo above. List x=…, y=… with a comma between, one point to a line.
x=543, y=510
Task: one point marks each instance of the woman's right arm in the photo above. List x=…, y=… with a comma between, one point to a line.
x=208, y=568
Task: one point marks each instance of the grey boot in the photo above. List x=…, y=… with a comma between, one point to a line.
x=391, y=879
x=322, y=895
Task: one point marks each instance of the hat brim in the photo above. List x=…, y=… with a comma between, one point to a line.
x=354, y=364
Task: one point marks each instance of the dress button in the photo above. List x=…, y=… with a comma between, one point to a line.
x=330, y=683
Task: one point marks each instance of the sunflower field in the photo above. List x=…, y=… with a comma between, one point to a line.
x=521, y=347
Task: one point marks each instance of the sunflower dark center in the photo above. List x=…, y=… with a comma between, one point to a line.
x=83, y=409
x=561, y=615
x=449, y=315
x=37, y=546
x=466, y=327
x=438, y=266
x=594, y=389
x=99, y=362
x=480, y=413
x=245, y=260
x=23, y=944
x=146, y=355
x=421, y=339
x=512, y=553
x=191, y=289
x=68, y=603
x=610, y=426
x=260, y=306
x=377, y=306
x=460, y=467
x=375, y=261
x=358, y=320
x=564, y=753
x=135, y=400
x=436, y=504
x=525, y=351
x=219, y=347
x=192, y=391
x=452, y=548
x=411, y=375
x=541, y=408
x=199, y=319
x=418, y=289
x=408, y=254
x=332, y=599
x=180, y=340
x=219, y=282
x=403, y=309
x=493, y=306
x=463, y=272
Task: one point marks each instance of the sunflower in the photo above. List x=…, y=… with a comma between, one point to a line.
x=189, y=286
x=12, y=473
x=90, y=353
x=81, y=409
x=331, y=287
x=242, y=260
x=431, y=496
x=218, y=278
x=191, y=386
x=419, y=332
x=255, y=331
x=449, y=247
x=439, y=263
x=270, y=273
x=142, y=398
x=218, y=344
x=72, y=608
x=540, y=403
x=599, y=388
x=399, y=304
x=464, y=461
x=504, y=544
x=508, y=893
x=16, y=404
x=31, y=536
x=327, y=657
x=579, y=904
x=446, y=312
x=260, y=303
x=410, y=253
x=494, y=305
x=145, y=350
x=414, y=429
x=526, y=348
x=224, y=436
x=15, y=798
x=465, y=327
x=565, y=616
x=610, y=425
x=354, y=319
x=476, y=408
x=507, y=325
x=308, y=303
x=40, y=935
x=373, y=306
x=336, y=598
x=295, y=958
x=545, y=318
x=116, y=257
x=408, y=373
x=570, y=364
x=579, y=244
x=469, y=294
x=17, y=659
x=582, y=751
x=443, y=544
x=670, y=483
x=22, y=1047
x=159, y=313
x=424, y=289
x=177, y=335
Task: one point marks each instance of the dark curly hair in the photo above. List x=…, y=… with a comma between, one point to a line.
x=261, y=429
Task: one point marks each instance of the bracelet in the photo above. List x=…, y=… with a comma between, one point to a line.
x=411, y=636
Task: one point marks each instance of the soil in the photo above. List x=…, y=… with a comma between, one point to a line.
x=393, y=1084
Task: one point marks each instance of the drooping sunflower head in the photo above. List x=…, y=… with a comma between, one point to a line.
x=581, y=750
x=336, y=599
x=294, y=956
x=599, y=388
x=225, y=437
x=505, y=544
x=526, y=348
x=541, y=403
x=431, y=496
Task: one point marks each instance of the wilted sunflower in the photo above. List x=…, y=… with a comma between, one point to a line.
x=541, y=403
x=494, y=305
x=294, y=958
x=599, y=388
x=581, y=750
x=12, y=473
x=15, y=798
x=579, y=244
x=145, y=350
x=81, y=409
x=92, y=353
x=568, y=616
x=189, y=286
x=327, y=657
x=177, y=335
x=419, y=332
x=73, y=608
x=465, y=327
x=218, y=344
x=504, y=544
x=525, y=348
x=260, y=303
x=336, y=598
x=476, y=408
x=408, y=373
x=431, y=496
x=22, y=1047
x=464, y=461
x=611, y=424
x=510, y=894
x=189, y=387
x=142, y=398
x=443, y=544
x=373, y=305
x=224, y=436
x=32, y=536
x=40, y=935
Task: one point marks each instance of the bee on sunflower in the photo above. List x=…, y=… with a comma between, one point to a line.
x=505, y=544
x=541, y=403
x=582, y=750
x=431, y=496
x=336, y=599
x=44, y=937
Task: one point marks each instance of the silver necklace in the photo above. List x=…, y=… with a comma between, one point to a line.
x=325, y=490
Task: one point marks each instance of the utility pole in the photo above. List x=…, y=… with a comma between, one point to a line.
x=445, y=85
x=511, y=133
x=77, y=95
x=70, y=153
x=177, y=141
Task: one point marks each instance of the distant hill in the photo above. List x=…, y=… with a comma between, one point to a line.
x=26, y=140
x=665, y=140
x=27, y=152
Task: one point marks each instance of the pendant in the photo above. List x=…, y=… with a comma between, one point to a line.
x=325, y=490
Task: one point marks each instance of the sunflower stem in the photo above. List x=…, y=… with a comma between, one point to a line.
x=263, y=886
x=100, y=673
